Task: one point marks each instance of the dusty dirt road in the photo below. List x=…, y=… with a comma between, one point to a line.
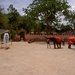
x=36, y=59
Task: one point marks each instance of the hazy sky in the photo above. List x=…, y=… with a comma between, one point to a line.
x=72, y=3
x=19, y=4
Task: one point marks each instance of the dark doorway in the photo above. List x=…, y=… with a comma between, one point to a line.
x=22, y=34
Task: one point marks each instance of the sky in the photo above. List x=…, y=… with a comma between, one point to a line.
x=72, y=3
x=19, y=4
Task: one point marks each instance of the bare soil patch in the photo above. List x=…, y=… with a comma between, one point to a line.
x=36, y=59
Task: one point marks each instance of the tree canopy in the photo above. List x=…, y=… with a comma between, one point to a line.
x=47, y=11
x=40, y=15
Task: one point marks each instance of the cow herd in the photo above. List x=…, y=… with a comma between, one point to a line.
x=57, y=41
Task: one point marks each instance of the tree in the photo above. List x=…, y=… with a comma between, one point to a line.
x=13, y=17
x=65, y=28
x=47, y=11
x=1, y=17
x=71, y=18
x=5, y=21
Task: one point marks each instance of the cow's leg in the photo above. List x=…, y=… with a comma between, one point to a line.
x=59, y=45
x=69, y=46
x=54, y=45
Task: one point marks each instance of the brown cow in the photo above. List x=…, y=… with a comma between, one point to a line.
x=56, y=41
x=71, y=41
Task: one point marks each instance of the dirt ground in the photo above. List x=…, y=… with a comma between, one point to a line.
x=36, y=59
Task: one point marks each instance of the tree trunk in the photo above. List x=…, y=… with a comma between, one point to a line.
x=47, y=30
x=74, y=29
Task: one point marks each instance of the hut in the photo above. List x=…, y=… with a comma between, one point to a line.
x=2, y=31
x=22, y=34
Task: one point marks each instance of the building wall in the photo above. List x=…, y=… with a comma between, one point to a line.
x=41, y=37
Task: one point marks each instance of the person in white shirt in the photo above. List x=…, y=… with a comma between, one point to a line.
x=6, y=39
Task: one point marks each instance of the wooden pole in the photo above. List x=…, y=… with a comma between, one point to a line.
x=10, y=38
x=1, y=40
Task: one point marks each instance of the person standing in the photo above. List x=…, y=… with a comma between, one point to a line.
x=6, y=40
x=63, y=42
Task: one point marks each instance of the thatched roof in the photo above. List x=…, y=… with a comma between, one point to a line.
x=21, y=30
x=2, y=31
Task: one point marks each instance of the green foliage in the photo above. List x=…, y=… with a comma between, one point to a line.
x=13, y=17
x=6, y=26
x=13, y=34
x=65, y=28
x=47, y=10
x=1, y=17
x=40, y=15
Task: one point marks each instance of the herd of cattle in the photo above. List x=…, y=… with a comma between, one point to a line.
x=57, y=41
